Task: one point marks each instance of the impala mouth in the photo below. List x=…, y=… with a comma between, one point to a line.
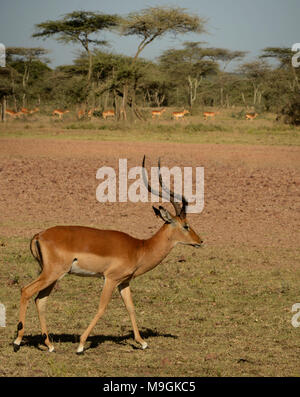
x=197, y=245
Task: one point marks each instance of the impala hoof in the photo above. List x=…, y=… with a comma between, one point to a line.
x=16, y=347
x=144, y=345
x=80, y=353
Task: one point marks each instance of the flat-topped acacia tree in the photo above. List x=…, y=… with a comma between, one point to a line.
x=155, y=22
x=78, y=27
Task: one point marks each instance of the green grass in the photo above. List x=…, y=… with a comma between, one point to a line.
x=223, y=130
x=220, y=312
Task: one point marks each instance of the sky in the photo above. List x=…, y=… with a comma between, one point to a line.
x=242, y=25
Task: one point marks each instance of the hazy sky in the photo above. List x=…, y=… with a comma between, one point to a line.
x=246, y=25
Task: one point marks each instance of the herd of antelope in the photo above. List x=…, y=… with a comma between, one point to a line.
x=156, y=114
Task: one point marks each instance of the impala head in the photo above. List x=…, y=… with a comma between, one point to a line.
x=181, y=231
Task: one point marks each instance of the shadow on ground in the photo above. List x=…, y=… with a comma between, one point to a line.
x=94, y=341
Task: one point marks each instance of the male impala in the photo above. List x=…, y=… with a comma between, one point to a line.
x=251, y=116
x=115, y=255
x=108, y=113
x=157, y=113
x=179, y=115
x=59, y=113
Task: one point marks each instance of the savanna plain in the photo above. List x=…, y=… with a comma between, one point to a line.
x=222, y=310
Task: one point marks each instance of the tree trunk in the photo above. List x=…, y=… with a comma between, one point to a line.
x=3, y=109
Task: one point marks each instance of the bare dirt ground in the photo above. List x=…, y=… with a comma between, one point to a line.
x=251, y=192
x=224, y=310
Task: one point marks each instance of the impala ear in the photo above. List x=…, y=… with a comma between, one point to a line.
x=163, y=214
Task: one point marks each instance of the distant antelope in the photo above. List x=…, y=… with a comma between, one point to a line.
x=90, y=113
x=34, y=110
x=80, y=114
x=251, y=116
x=209, y=114
x=157, y=113
x=14, y=115
x=59, y=113
x=108, y=113
x=25, y=111
x=179, y=115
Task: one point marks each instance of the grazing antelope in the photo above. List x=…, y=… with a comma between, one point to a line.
x=209, y=114
x=108, y=113
x=179, y=115
x=13, y=114
x=59, y=113
x=117, y=256
x=157, y=113
x=251, y=116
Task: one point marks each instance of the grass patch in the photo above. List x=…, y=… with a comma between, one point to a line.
x=224, y=130
x=219, y=312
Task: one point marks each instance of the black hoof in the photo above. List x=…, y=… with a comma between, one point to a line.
x=16, y=347
x=80, y=353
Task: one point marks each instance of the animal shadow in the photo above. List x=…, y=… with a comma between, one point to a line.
x=94, y=340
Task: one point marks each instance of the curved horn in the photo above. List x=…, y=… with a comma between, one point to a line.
x=180, y=211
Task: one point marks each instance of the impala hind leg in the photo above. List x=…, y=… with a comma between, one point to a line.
x=109, y=286
x=127, y=299
x=40, y=302
x=28, y=291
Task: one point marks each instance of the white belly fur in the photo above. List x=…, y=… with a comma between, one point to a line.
x=78, y=271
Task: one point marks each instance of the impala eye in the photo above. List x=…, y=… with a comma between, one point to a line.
x=186, y=227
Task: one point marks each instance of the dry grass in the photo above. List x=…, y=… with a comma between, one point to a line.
x=228, y=127
x=222, y=312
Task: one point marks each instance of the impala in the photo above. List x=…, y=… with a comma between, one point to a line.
x=80, y=114
x=108, y=113
x=59, y=113
x=179, y=115
x=117, y=256
x=209, y=114
x=90, y=113
x=251, y=116
x=34, y=110
x=25, y=111
x=157, y=113
x=13, y=114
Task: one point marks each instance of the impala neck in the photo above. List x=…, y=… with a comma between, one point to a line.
x=155, y=249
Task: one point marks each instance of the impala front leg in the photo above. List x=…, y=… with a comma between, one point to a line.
x=127, y=299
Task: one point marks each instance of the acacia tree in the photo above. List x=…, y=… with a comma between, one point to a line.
x=284, y=56
x=225, y=57
x=256, y=73
x=79, y=27
x=23, y=60
x=187, y=67
x=155, y=22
